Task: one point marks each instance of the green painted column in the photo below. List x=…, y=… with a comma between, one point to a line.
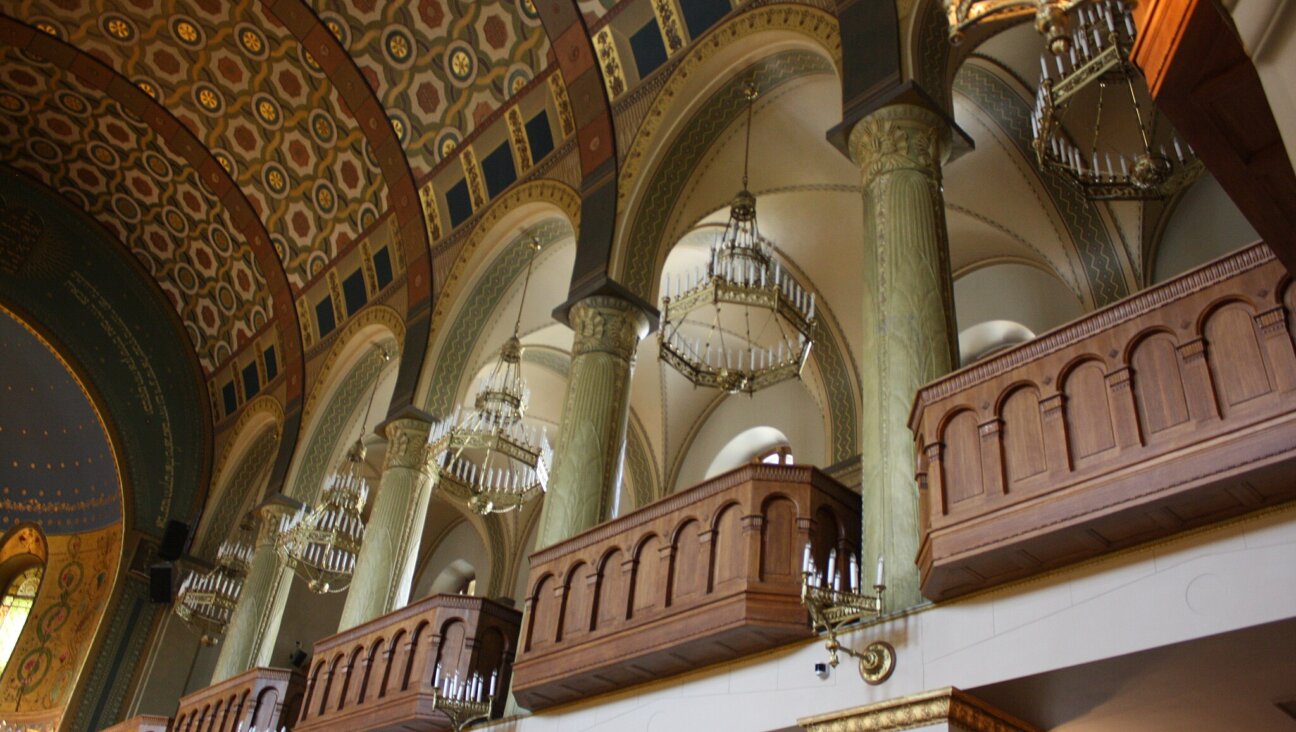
x=909, y=326
x=591, y=441
x=249, y=639
x=384, y=571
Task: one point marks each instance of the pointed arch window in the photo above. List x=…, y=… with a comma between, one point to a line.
x=15, y=606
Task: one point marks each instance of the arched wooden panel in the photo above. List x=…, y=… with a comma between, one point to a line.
x=325, y=696
x=1023, y=435
x=614, y=590
x=1289, y=302
x=826, y=536
x=688, y=564
x=393, y=661
x=779, y=540
x=418, y=650
x=491, y=646
x=371, y=684
x=961, y=465
x=314, y=689
x=1088, y=411
x=580, y=602
x=729, y=547
x=1158, y=384
x=451, y=648
x=263, y=717
x=352, y=678
x=649, y=577
x=544, y=614
x=1237, y=362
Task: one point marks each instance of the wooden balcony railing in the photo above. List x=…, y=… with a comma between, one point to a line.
x=379, y=675
x=1173, y=408
x=142, y=723
x=706, y=575
x=263, y=698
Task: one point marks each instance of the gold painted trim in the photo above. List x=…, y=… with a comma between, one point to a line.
x=668, y=22
x=558, y=89
x=431, y=213
x=261, y=405
x=473, y=174
x=948, y=705
x=518, y=138
x=605, y=48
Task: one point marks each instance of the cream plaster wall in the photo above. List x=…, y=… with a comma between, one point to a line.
x=1228, y=577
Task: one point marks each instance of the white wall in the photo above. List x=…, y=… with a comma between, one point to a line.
x=1204, y=226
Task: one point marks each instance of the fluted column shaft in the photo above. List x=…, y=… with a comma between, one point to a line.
x=384, y=571
x=591, y=441
x=908, y=322
x=249, y=638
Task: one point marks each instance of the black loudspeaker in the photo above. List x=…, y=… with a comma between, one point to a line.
x=173, y=540
x=160, y=589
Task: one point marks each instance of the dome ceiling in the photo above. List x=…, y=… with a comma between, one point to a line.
x=58, y=469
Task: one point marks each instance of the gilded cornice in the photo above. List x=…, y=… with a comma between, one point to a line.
x=948, y=705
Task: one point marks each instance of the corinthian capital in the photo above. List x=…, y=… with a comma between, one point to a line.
x=607, y=325
x=900, y=137
x=407, y=444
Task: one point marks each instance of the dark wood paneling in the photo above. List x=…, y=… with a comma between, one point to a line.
x=378, y=676
x=1171, y=409
x=265, y=698
x=715, y=574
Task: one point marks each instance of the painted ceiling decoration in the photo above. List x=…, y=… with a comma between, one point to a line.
x=63, y=274
x=59, y=470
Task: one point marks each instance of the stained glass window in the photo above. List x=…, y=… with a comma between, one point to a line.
x=14, y=608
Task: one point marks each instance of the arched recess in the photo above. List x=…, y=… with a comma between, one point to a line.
x=1203, y=225
x=746, y=446
x=992, y=298
x=452, y=552
x=240, y=480
x=664, y=162
x=478, y=306
x=23, y=557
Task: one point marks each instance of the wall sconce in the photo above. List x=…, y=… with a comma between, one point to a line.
x=831, y=608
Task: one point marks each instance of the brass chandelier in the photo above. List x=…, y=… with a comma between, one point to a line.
x=206, y=600
x=1097, y=62
x=1051, y=18
x=742, y=322
x=321, y=544
x=486, y=458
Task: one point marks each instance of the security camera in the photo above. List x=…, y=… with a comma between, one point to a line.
x=821, y=670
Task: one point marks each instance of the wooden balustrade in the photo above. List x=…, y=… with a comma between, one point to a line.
x=263, y=698
x=378, y=676
x=1173, y=408
x=706, y=575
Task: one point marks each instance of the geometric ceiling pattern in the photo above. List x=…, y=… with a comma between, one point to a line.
x=248, y=90
x=440, y=67
x=82, y=144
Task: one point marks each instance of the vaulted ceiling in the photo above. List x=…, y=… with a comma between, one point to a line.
x=236, y=148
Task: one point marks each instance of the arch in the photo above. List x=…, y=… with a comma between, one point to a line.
x=1090, y=431
x=1022, y=431
x=728, y=548
x=643, y=245
x=454, y=637
x=780, y=540
x=543, y=618
x=233, y=492
x=465, y=307
x=689, y=563
x=612, y=600
x=961, y=460
x=415, y=656
x=1160, y=398
x=1234, y=351
x=648, y=579
x=746, y=446
x=578, y=602
x=371, y=659
x=396, y=653
x=377, y=324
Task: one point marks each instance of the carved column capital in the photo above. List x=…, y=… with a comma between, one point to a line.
x=407, y=444
x=270, y=518
x=900, y=137
x=606, y=324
